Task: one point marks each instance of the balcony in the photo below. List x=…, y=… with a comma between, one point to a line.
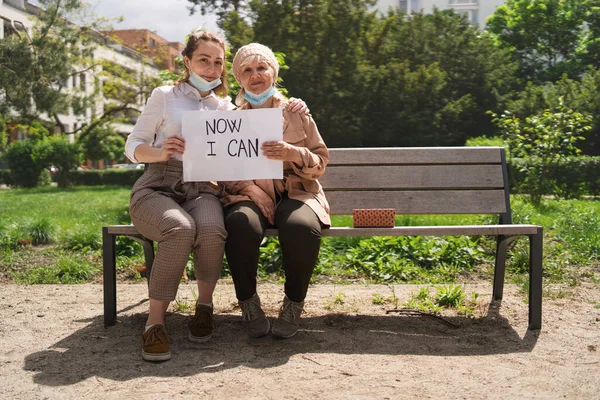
x=463, y=3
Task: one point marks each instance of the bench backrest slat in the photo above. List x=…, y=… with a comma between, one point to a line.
x=415, y=155
x=436, y=180
x=413, y=177
x=420, y=202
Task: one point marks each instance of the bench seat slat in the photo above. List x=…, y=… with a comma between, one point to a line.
x=413, y=177
x=420, y=202
x=415, y=155
x=452, y=230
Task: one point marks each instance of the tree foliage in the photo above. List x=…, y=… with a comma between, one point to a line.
x=579, y=94
x=545, y=138
x=36, y=70
x=549, y=37
x=374, y=80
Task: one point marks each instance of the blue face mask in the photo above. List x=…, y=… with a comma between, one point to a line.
x=259, y=99
x=202, y=84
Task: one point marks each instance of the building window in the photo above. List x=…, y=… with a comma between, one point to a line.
x=152, y=42
x=414, y=5
x=6, y=29
x=475, y=17
x=74, y=81
x=82, y=82
x=403, y=5
x=471, y=15
x=462, y=2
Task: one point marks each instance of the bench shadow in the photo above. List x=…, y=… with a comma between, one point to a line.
x=114, y=353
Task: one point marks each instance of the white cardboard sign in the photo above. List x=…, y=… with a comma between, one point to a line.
x=225, y=145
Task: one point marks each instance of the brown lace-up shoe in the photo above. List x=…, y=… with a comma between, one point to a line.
x=255, y=320
x=202, y=325
x=156, y=344
x=288, y=322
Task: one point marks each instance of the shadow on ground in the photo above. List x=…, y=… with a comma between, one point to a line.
x=115, y=353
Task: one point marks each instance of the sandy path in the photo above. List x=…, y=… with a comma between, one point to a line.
x=55, y=346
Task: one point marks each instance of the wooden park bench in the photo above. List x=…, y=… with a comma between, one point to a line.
x=437, y=180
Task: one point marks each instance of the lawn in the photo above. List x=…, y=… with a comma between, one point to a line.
x=54, y=235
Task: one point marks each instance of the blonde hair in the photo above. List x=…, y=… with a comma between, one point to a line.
x=192, y=44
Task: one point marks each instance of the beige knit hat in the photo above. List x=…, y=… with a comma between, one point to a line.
x=250, y=50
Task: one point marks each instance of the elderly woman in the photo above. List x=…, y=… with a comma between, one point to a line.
x=296, y=204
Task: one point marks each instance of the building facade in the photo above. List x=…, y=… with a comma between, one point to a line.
x=151, y=45
x=476, y=11
x=18, y=15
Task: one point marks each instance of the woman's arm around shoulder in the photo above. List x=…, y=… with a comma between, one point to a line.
x=314, y=155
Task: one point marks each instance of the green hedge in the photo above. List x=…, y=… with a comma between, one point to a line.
x=5, y=177
x=572, y=177
x=123, y=177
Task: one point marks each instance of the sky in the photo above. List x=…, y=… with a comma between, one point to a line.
x=168, y=18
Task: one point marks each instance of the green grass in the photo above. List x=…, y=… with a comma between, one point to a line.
x=44, y=232
x=68, y=268
x=446, y=296
x=69, y=219
x=89, y=206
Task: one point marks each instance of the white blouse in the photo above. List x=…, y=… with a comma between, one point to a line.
x=161, y=117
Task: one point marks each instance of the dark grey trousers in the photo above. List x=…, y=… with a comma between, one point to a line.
x=299, y=237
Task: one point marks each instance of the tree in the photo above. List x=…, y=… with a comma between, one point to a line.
x=385, y=81
x=36, y=69
x=221, y=7
x=373, y=80
x=103, y=143
x=546, y=36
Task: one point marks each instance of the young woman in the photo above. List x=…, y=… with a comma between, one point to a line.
x=296, y=204
x=182, y=217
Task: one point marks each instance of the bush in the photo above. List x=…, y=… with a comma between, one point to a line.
x=548, y=137
x=65, y=156
x=485, y=141
x=568, y=178
x=25, y=162
x=6, y=178
x=121, y=177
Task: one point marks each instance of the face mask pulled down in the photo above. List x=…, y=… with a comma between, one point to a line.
x=259, y=99
x=202, y=84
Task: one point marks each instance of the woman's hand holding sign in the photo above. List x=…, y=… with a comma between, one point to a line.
x=172, y=145
x=281, y=151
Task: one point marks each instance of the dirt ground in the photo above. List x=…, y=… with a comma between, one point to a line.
x=54, y=346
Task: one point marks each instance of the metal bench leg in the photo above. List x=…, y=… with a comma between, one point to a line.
x=536, y=244
x=110, y=278
x=500, y=267
x=149, y=256
x=148, y=246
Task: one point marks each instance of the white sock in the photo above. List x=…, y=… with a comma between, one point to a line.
x=148, y=327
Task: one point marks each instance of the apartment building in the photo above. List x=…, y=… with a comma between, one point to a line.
x=150, y=44
x=476, y=11
x=17, y=15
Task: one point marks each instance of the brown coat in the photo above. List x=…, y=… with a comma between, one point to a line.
x=300, y=181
